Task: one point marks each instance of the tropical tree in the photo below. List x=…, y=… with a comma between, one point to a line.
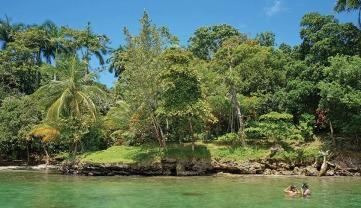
x=207, y=40
x=18, y=116
x=323, y=37
x=57, y=42
x=340, y=94
x=349, y=5
x=247, y=68
x=266, y=38
x=182, y=98
x=45, y=134
x=7, y=31
x=86, y=43
x=117, y=61
x=140, y=81
x=75, y=97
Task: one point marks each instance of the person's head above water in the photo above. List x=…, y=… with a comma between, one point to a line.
x=292, y=187
x=304, y=186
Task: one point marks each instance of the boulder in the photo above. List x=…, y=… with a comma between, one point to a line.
x=311, y=171
x=330, y=173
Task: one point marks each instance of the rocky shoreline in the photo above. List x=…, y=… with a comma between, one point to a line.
x=198, y=167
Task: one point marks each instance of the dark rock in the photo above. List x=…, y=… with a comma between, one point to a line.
x=172, y=167
x=311, y=171
x=267, y=172
x=330, y=173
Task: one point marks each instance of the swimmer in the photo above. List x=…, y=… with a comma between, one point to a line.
x=291, y=190
x=305, y=190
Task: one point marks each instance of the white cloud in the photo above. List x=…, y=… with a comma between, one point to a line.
x=275, y=8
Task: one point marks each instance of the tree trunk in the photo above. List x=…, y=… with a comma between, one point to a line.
x=233, y=107
x=28, y=153
x=167, y=128
x=37, y=74
x=191, y=130
x=75, y=148
x=47, y=156
x=156, y=132
x=332, y=136
x=359, y=18
x=324, y=167
x=241, y=124
x=159, y=132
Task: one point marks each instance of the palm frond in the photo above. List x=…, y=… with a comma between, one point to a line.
x=55, y=110
x=88, y=103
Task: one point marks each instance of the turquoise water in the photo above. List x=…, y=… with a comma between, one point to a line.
x=39, y=189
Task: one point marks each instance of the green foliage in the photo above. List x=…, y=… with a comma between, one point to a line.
x=266, y=39
x=274, y=126
x=207, y=40
x=252, y=106
x=181, y=85
x=341, y=94
x=253, y=67
x=151, y=153
x=18, y=116
x=140, y=82
x=222, y=87
x=228, y=139
x=324, y=36
x=306, y=125
x=74, y=96
x=349, y=5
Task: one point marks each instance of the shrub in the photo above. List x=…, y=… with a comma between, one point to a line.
x=228, y=139
x=275, y=127
x=306, y=125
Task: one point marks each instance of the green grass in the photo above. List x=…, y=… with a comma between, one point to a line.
x=238, y=154
x=123, y=154
x=303, y=152
x=152, y=153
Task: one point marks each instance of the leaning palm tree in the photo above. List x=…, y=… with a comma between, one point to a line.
x=349, y=5
x=73, y=96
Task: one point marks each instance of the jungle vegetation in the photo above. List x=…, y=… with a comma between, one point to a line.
x=223, y=87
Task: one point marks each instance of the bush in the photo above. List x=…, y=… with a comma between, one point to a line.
x=17, y=116
x=228, y=139
x=306, y=125
x=275, y=127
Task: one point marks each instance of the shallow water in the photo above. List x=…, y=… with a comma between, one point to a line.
x=39, y=189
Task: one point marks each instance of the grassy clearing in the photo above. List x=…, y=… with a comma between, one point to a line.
x=152, y=153
x=304, y=152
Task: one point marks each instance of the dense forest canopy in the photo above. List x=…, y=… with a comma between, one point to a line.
x=224, y=86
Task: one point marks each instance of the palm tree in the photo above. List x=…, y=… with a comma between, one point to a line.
x=74, y=97
x=7, y=31
x=349, y=5
x=117, y=61
x=87, y=43
x=94, y=45
x=56, y=39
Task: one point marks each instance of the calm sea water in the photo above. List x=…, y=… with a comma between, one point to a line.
x=38, y=189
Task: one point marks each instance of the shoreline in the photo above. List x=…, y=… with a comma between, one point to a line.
x=172, y=167
x=218, y=174
x=30, y=167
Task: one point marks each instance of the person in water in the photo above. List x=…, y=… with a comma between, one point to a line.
x=291, y=190
x=305, y=190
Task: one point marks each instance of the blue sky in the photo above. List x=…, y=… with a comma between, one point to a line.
x=182, y=17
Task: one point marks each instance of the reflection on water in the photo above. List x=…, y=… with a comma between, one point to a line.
x=38, y=189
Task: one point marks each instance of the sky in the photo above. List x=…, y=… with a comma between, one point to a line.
x=182, y=17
